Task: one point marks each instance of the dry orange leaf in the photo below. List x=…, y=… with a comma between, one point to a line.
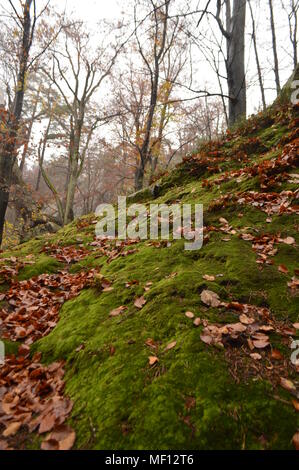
x=287, y=384
x=12, y=429
x=276, y=354
x=170, y=346
x=153, y=360
x=117, y=311
x=207, y=277
x=283, y=269
x=296, y=404
x=295, y=440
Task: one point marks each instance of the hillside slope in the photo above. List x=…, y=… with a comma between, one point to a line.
x=225, y=382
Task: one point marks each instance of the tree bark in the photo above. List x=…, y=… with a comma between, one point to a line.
x=8, y=148
x=236, y=62
x=274, y=47
x=258, y=66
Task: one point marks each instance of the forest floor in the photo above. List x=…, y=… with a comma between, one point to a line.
x=144, y=345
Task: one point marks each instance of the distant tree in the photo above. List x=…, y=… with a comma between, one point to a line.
x=274, y=47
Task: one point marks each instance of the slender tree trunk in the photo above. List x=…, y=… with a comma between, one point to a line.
x=139, y=177
x=26, y=145
x=8, y=150
x=274, y=47
x=258, y=66
x=42, y=153
x=236, y=62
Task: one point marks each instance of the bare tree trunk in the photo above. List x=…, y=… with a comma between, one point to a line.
x=274, y=47
x=234, y=32
x=258, y=66
x=8, y=150
x=29, y=130
x=236, y=63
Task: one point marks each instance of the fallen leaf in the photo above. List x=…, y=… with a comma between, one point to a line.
x=256, y=356
x=295, y=440
x=206, y=338
x=170, y=346
x=276, y=354
x=50, y=444
x=189, y=315
x=47, y=423
x=287, y=384
x=12, y=429
x=283, y=269
x=210, y=298
x=246, y=320
x=296, y=404
x=207, y=277
x=153, y=360
x=139, y=302
x=151, y=343
x=197, y=321
x=117, y=311
x=289, y=240
x=260, y=344
x=296, y=326
x=64, y=435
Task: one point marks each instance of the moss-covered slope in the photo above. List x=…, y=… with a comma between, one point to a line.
x=196, y=396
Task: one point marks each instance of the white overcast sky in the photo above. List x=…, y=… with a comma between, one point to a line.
x=92, y=11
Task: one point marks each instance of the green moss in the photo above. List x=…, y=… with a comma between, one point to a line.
x=120, y=402
x=42, y=264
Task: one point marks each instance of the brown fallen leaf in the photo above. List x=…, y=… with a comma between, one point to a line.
x=261, y=344
x=49, y=444
x=296, y=326
x=256, y=356
x=197, y=321
x=295, y=440
x=289, y=240
x=283, y=269
x=287, y=384
x=276, y=354
x=207, y=277
x=210, y=298
x=64, y=435
x=117, y=311
x=47, y=423
x=246, y=320
x=139, y=302
x=3, y=445
x=12, y=429
x=170, y=346
x=153, y=360
x=207, y=339
x=189, y=315
x=151, y=343
x=296, y=404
